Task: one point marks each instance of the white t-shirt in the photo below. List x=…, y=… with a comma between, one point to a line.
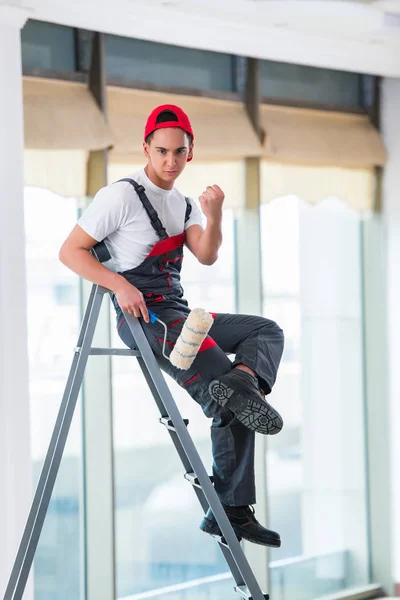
x=118, y=217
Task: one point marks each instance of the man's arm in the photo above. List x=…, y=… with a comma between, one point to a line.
x=75, y=254
x=205, y=243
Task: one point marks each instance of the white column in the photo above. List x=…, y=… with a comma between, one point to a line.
x=377, y=396
x=249, y=301
x=99, y=544
x=390, y=121
x=15, y=458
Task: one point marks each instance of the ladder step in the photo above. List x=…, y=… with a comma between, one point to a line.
x=192, y=478
x=169, y=424
x=108, y=351
x=244, y=593
x=221, y=540
x=113, y=352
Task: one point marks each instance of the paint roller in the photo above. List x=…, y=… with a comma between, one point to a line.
x=194, y=332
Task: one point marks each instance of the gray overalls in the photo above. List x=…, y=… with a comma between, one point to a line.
x=256, y=342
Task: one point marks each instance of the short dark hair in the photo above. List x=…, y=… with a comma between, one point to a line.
x=165, y=117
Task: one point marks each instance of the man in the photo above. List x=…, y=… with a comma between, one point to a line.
x=145, y=221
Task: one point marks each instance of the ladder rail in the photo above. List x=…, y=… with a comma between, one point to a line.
x=44, y=489
x=188, y=468
x=243, y=572
x=163, y=412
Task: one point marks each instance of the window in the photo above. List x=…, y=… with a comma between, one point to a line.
x=48, y=46
x=310, y=84
x=316, y=465
x=53, y=323
x=162, y=64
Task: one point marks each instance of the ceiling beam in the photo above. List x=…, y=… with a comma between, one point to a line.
x=263, y=33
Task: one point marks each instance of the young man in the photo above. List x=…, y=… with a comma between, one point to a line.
x=145, y=221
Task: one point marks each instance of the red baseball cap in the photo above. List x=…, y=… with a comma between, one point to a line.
x=182, y=120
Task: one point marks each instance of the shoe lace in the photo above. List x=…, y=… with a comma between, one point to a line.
x=251, y=512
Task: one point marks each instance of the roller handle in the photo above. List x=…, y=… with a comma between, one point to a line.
x=153, y=316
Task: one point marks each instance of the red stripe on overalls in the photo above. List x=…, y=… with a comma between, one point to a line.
x=153, y=298
x=171, y=243
x=167, y=279
x=192, y=379
x=166, y=341
x=176, y=322
x=171, y=260
x=207, y=344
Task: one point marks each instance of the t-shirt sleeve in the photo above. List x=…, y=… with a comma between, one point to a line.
x=196, y=216
x=105, y=214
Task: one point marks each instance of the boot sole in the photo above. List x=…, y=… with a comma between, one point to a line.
x=253, y=412
x=213, y=529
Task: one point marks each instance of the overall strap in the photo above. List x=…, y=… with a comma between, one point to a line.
x=152, y=213
x=188, y=210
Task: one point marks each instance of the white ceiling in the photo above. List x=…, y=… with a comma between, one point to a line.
x=361, y=35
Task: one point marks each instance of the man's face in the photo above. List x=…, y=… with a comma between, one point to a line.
x=167, y=155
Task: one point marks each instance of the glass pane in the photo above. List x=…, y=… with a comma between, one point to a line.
x=159, y=543
x=162, y=64
x=48, y=46
x=212, y=288
x=53, y=322
x=316, y=465
x=309, y=84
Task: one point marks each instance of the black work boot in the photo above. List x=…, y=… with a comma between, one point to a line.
x=239, y=391
x=245, y=525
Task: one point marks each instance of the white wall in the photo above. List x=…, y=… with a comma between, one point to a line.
x=15, y=461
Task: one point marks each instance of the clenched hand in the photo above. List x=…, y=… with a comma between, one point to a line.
x=211, y=201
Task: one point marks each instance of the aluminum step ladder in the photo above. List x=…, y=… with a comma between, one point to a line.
x=195, y=472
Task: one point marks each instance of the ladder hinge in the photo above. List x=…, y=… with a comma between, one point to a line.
x=244, y=593
x=193, y=479
x=169, y=424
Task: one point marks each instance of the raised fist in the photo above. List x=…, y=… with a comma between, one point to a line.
x=211, y=201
